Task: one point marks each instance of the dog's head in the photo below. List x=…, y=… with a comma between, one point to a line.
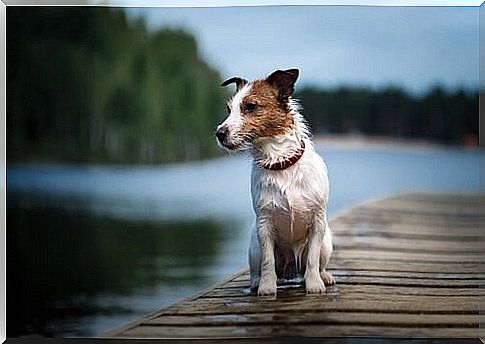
x=258, y=110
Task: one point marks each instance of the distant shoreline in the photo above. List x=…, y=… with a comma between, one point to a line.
x=322, y=141
x=352, y=141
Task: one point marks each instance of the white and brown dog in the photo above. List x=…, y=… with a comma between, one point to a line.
x=289, y=183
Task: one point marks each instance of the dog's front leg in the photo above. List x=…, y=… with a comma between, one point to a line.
x=254, y=259
x=313, y=280
x=267, y=282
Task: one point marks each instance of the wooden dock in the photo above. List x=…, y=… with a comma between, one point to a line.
x=406, y=266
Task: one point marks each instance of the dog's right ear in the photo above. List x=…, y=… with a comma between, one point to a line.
x=240, y=82
x=284, y=82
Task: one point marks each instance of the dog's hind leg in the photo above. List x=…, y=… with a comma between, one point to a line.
x=325, y=254
x=254, y=259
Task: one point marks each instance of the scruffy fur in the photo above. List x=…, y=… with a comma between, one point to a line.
x=291, y=237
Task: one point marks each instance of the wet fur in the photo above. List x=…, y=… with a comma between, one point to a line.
x=291, y=237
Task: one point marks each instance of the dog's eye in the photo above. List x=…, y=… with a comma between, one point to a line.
x=250, y=107
x=228, y=109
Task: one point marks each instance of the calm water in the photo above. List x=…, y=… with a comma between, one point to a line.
x=92, y=247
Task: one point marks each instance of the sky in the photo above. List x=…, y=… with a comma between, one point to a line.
x=415, y=48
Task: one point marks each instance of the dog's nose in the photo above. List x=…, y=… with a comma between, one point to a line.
x=221, y=133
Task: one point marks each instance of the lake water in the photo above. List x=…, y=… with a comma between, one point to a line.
x=92, y=247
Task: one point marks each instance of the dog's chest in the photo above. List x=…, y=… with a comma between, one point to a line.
x=290, y=209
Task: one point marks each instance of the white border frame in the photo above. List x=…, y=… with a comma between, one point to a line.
x=180, y=4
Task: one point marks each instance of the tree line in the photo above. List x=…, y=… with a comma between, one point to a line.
x=449, y=117
x=90, y=85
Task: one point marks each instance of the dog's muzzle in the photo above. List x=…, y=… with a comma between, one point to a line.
x=221, y=134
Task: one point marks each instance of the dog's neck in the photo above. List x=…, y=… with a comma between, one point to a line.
x=272, y=150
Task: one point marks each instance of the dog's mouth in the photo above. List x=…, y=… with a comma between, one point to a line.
x=234, y=145
x=229, y=146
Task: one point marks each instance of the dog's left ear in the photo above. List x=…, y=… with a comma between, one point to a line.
x=240, y=82
x=284, y=82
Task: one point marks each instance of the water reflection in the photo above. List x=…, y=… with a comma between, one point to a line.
x=64, y=265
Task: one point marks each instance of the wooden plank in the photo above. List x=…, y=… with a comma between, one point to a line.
x=384, y=304
x=360, y=289
x=361, y=318
x=337, y=293
x=470, y=209
x=389, y=281
x=369, y=264
x=376, y=212
x=407, y=245
x=298, y=296
x=435, y=197
x=209, y=332
x=408, y=265
x=411, y=232
x=417, y=257
x=372, y=217
x=420, y=208
x=337, y=273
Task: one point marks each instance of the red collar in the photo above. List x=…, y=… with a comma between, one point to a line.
x=278, y=166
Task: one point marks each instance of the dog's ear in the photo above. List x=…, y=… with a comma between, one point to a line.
x=240, y=82
x=284, y=82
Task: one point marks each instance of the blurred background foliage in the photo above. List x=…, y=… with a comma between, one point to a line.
x=89, y=85
x=85, y=84
x=443, y=116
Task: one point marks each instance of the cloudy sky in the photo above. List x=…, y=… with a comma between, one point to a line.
x=412, y=47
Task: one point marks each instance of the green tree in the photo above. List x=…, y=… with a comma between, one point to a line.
x=87, y=84
x=448, y=117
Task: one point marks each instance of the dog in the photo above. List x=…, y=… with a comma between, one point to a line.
x=291, y=237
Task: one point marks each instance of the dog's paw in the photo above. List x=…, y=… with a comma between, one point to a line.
x=327, y=278
x=254, y=284
x=267, y=287
x=266, y=291
x=314, y=285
